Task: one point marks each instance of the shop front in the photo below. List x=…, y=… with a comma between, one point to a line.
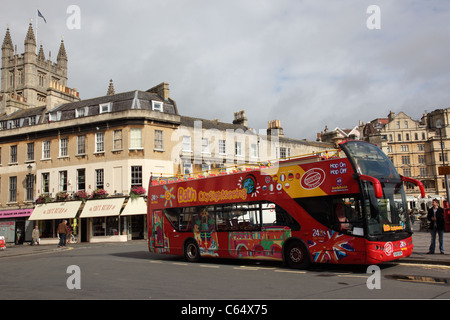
x=47, y=216
x=15, y=225
x=102, y=220
x=134, y=218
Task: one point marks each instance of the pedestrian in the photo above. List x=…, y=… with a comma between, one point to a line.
x=62, y=232
x=437, y=225
x=412, y=217
x=35, y=235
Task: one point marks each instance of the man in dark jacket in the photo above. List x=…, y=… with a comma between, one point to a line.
x=437, y=225
x=62, y=231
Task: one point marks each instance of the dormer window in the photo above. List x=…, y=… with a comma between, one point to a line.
x=32, y=121
x=55, y=116
x=157, y=106
x=105, y=107
x=81, y=112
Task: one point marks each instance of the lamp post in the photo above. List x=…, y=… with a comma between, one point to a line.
x=30, y=183
x=439, y=126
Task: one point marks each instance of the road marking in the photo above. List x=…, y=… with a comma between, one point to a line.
x=289, y=271
x=246, y=268
x=350, y=276
x=180, y=263
x=209, y=266
x=424, y=265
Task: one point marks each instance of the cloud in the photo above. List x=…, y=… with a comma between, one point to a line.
x=307, y=63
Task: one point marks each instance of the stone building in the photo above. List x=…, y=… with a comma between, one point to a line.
x=415, y=148
x=338, y=135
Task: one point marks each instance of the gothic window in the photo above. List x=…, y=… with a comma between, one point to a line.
x=41, y=78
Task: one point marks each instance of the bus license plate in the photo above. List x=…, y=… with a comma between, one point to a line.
x=398, y=253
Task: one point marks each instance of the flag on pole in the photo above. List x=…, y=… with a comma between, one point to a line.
x=40, y=15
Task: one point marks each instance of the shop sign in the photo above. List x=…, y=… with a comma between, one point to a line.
x=15, y=213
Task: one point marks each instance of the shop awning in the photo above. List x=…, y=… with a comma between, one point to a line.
x=135, y=206
x=102, y=208
x=56, y=210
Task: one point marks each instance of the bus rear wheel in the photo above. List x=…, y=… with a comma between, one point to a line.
x=191, y=251
x=296, y=255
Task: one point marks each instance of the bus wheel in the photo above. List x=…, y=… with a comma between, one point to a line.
x=191, y=251
x=296, y=255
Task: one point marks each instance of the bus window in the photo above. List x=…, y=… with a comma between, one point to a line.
x=342, y=214
x=274, y=215
x=185, y=219
x=238, y=217
x=172, y=214
x=348, y=215
x=181, y=219
x=320, y=208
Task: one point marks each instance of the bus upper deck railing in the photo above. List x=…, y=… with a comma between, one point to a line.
x=162, y=178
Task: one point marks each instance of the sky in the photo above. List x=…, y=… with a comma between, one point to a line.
x=307, y=63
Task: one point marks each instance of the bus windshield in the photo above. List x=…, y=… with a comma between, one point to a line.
x=370, y=160
x=387, y=215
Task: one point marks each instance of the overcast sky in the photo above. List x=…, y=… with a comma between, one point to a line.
x=307, y=63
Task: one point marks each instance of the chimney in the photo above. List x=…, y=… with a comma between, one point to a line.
x=391, y=115
x=161, y=89
x=240, y=118
x=274, y=127
x=319, y=136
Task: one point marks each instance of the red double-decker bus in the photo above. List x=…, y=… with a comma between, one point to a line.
x=346, y=209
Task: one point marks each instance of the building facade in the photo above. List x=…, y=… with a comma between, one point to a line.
x=416, y=147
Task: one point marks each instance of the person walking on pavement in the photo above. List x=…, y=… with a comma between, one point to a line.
x=437, y=225
x=35, y=235
x=62, y=231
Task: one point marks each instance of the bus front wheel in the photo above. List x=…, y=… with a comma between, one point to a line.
x=296, y=255
x=191, y=251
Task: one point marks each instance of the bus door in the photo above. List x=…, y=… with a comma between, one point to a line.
x=157, y=228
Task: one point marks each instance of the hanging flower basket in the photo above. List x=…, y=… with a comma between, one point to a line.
x=99, y=194
x=62, y=196
x=80, y=195
x=136, y=192
x=43, y=198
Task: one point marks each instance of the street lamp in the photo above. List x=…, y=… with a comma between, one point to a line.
x=30, y=183
x=439, y=126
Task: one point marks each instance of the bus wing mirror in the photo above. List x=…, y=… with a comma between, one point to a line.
x=376, y=184
x=417, y=183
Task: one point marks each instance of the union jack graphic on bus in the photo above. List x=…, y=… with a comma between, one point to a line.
x=333, y=249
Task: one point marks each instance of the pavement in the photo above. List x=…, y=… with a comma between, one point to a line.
x=421, y=241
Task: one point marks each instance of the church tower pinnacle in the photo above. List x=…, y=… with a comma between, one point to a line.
x=62, y=55
x=7, y=41
x=7, y=47
x=30, y=40
x=111, y=89
x=29, y=80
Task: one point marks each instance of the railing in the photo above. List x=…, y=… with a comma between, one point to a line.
x=159, y=178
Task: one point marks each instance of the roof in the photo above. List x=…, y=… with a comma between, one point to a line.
x=307, y=142
x=139, y=100
x=213, y=124
x=25, y=113
x=122, y=101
